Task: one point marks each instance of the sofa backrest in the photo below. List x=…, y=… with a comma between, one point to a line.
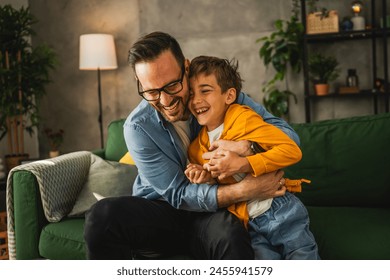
x=347, y=160
x=116, y=146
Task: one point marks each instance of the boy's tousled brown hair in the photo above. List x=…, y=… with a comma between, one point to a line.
x=224, y=70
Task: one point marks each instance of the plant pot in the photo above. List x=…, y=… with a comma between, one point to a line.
x=53, y=154
x=12, y=161
x=321, y=89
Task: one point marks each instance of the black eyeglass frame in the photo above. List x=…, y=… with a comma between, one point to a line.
x=164, y=88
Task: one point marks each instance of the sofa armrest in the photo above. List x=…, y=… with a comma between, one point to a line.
x=28, y=217
x=41, y=192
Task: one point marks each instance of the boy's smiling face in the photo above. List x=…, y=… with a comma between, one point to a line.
x=207, y=101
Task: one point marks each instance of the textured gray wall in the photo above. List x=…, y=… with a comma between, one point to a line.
x=227, y=28
x=72, y=103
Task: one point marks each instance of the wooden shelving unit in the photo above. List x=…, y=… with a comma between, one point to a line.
x=375, y=34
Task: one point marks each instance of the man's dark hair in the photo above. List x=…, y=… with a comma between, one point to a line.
x=224, y=70
x=150, y=46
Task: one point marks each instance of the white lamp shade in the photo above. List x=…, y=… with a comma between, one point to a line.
x=97, y=51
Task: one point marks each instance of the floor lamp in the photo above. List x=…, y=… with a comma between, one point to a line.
x=97, y=52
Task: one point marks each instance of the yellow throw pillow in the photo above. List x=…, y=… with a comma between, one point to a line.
x=127, y=159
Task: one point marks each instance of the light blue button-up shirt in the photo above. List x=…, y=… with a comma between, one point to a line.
x=157, y=151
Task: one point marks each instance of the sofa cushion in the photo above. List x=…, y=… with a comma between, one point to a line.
x=63, y=240
x=127, y=159
x=106, y=178
x=346, y=160
x=116, y=145
x=350, y=232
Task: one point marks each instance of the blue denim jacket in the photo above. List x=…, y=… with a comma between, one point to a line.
x=155, y=148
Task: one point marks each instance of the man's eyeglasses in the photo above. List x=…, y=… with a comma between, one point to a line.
x=154, y=94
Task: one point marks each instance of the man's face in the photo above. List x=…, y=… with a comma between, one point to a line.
x=207, y=101
x=161, y=73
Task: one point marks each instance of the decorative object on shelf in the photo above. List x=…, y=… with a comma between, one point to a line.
x=24, y=72
x=55, y=138
x=359, y=23
x=379, y=85
x=283, y=50
x=322, y=70
x=322, y=22
x=344, y=90
x=352, y=83
x=352, y=78
x=346, y=24
x=312, y=6
x=97, y=52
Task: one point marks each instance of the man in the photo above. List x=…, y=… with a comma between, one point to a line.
x=167, y=214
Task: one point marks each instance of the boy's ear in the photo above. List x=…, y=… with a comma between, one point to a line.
x=231, y=95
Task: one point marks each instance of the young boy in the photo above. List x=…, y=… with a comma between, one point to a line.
x=279, y=227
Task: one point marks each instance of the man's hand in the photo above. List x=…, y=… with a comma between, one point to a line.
x=198, y=175
x=266, y=186
x=263, y=187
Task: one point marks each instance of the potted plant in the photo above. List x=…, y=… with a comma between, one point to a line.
x=24, y=72
x=55, y=138
x=323, y=70
x=282, y=49
x=277, y=102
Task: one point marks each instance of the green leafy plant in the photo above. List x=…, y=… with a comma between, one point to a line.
x=282, y=49
x=278, y=101
x=24, y=73
x=312, y=5
x=312, y=8
x=323, y=69
x=55, y=138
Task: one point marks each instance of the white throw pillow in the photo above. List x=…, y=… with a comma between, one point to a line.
x=107, y=179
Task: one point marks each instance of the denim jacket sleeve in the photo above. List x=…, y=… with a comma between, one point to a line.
x=268, y=117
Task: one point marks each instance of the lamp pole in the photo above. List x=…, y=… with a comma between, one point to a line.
x=100, y=118
x=97, y=52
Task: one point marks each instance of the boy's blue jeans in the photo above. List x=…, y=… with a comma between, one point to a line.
x=282, y=232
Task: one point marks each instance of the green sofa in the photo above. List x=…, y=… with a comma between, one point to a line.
x=348, y=201
x=348, y=162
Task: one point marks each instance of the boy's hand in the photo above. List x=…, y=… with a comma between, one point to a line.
x=198, y=175
x=227, y=158
x=224, y=164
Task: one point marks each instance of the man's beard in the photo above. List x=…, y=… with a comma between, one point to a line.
x=182, y=114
